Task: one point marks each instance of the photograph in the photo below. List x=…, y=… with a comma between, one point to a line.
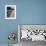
x=10, y=11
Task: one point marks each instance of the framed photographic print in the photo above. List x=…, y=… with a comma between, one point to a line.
x=10, y=11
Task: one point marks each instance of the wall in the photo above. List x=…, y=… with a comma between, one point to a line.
x=6, y=26
x=28, y=12
x=31, y=11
